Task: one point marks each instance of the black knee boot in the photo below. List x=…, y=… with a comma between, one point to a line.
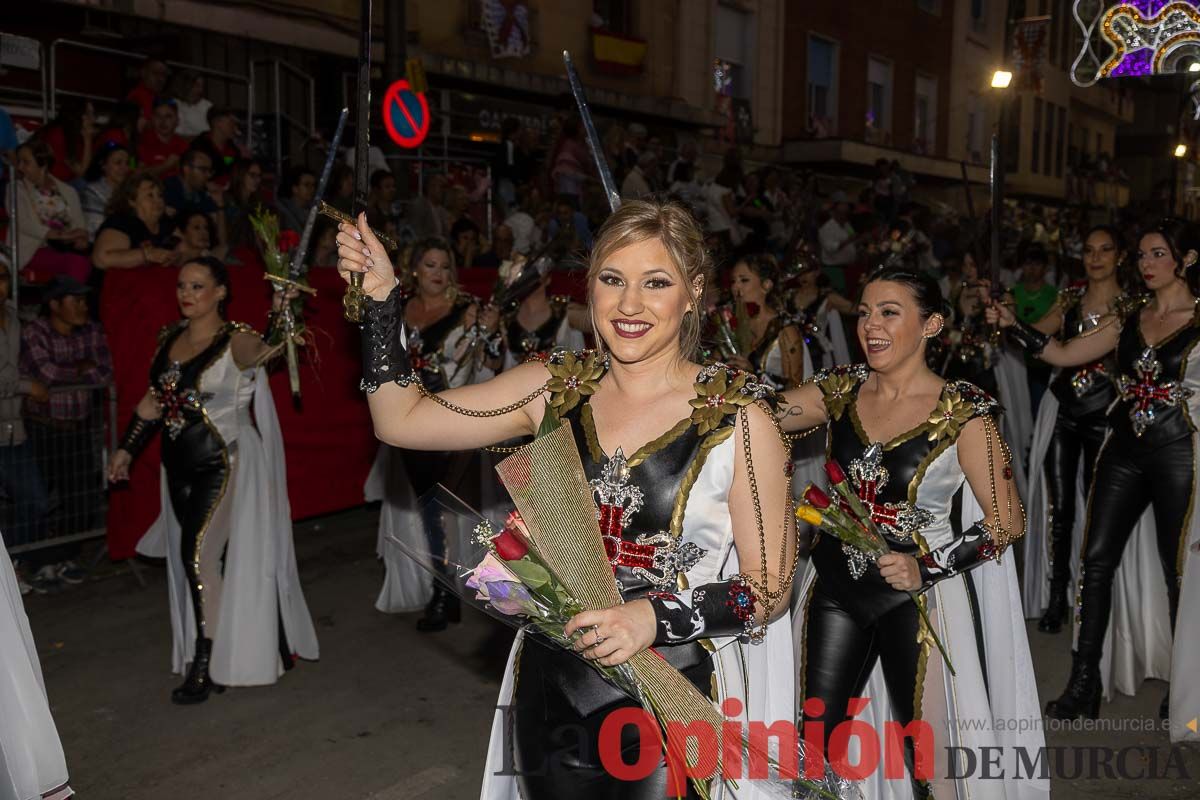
x=1058, y=611
x=443, y=608
x=196, y=687
x=1082, y=696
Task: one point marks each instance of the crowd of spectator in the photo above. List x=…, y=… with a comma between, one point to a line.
x=162, y=177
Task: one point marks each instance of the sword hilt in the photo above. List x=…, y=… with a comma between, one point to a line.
x=333, y=213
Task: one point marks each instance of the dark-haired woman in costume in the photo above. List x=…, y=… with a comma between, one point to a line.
x=926, y=457
x=540, y=323
x=1148, y=459
x=777, y=354
x=1069, y=430
x=238, y=615
x=968, y=352
x=818, y=311
x=452, y=342
x=665, y=444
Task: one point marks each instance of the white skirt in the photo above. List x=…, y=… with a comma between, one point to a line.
x=262, y=583
x=32, y=764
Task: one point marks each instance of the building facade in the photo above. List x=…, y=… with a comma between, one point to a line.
x=651, y=61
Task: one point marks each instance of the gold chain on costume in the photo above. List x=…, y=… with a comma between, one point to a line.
x=767, y=597
x=487, y=412
x=1002, y=534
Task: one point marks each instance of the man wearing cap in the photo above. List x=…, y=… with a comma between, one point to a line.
x=65, y=348
x=839, y=244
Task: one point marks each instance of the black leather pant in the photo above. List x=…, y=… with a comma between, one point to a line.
x=1074, y=438
x=1126, y=482
x=197, y=477
x=557, y=751
x=839, y=656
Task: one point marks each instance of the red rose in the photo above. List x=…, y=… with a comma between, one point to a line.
x=510, y=546
x=834, y=471
x=752, y=309
x=287, y=240
x=815, y=497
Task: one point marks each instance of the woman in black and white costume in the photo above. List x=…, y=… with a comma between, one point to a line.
x=32, y=765
x=541, y=323
x=818, y=309
x=453, y=342
x=927, y=458
x=238, y=614
x=1067, y=436
x=679, y=480
x=991, y=366
x=1148, y=460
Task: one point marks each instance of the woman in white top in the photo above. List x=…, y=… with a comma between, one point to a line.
x=192, y=105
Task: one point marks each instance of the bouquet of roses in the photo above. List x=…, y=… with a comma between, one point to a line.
x=275, y=246
x=546, y=565
x=849, y=521
x=515, y=580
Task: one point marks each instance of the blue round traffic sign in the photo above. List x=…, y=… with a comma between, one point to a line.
x=405, y=114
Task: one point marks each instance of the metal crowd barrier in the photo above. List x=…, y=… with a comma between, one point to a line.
x=54, y=486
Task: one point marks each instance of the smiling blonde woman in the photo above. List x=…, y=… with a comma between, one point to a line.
x=664, y=439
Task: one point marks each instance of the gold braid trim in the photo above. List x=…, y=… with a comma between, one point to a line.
x=692, y=475
x=650, y=448
x=588, y=423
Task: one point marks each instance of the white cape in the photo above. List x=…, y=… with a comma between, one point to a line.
x=1009, y=695
x=32, y=764
x=261, y=581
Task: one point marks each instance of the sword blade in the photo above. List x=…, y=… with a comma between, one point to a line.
x=593, y=139
x=362, y=146
x=997, y=181
x=298, y=269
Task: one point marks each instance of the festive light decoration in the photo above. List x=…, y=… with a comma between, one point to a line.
x=1135, y=38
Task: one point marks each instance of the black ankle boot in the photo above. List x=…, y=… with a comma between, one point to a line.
x=196, y=687
x=1057, y=612
x=1164, y=708
x=1082, y=696
x=443, y=608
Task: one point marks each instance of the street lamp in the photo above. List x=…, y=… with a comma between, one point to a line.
x=1001, y=79
x=1180, y=150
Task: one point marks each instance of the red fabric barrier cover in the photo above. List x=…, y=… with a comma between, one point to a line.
x=328, y=441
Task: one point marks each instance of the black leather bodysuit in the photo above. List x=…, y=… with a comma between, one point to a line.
x=1084, y=395
x=1147, y=460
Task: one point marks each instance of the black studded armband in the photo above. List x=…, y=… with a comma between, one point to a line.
x=384, y=347
x=714, y=609
x=1028, y=337
x=138, y=434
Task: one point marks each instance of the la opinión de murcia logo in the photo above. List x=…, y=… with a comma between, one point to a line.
x=743, y=749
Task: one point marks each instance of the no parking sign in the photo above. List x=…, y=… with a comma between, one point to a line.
x=405, y=114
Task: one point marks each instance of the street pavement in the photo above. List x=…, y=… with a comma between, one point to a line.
x=387, y=713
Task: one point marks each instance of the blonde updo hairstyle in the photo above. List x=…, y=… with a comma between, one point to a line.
x=675, y=227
